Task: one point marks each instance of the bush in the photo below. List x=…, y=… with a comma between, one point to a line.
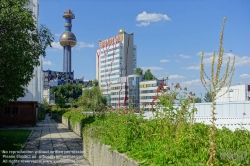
x=41, y=112
x=58, y=110
x=156, y=142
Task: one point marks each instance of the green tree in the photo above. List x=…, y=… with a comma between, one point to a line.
x=68, y=90
x=93, y=99
x=22, y=43
x=148, y=75
x=46, y=105
x=61, y=101
x=139, y=71
x=197, y=100
x=208, y=97
x=95, y=82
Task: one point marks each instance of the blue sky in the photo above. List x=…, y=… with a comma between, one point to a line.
x=168, y=35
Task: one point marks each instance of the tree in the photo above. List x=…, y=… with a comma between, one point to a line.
x=95, y=82
x=68, y=90
x=148, y=75
x=92, y=98
x=139, y=71
x=208, y=97
x=213, y=85
x=61, y=101
x=197, y=100
x=22, y=43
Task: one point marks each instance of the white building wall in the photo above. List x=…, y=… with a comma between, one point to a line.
x=147, y=98
x=235, y=93
x=35, y=88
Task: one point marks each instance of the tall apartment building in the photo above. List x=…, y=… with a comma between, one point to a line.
x=116, y=57
x=35, y=88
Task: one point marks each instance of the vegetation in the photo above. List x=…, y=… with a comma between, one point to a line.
x=148, y=75
x=46, y=106
x=208, y=97
x=61, y=101
x=139, y=71
x=170, y=138
x=67, y=91
x=213, y=85
x=197, y=100
x=12, y=140
x=93, y=99
x=22, y=43
x=95, y=82
x=41, y=112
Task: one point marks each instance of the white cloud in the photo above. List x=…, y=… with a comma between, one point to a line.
x=151, y=68
x=56, y=45
x=245, y=76
x=184, y=56
x=172, y=77
x=196, y=82
x=164, y=60
x=48, y=63
x=147, y=18
x=239, y=60
x=143, y=24
x=81, y=45
x=57, y=34
x=192, y=68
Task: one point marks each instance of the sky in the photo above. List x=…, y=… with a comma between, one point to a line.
x=169, y=35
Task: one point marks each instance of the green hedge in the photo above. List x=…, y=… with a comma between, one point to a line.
x=157, y=142
x=59, y=111
x=74, y=114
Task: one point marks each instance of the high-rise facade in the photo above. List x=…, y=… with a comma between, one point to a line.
x=35, y=88
x=115, y=58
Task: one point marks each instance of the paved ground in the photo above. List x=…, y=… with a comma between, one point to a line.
x=51, y=143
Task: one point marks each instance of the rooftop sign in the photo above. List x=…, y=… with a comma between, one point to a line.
x=110, y=41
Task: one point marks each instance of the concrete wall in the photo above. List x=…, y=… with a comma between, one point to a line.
x=94, y=152
x=77, y=128
x=99, y=155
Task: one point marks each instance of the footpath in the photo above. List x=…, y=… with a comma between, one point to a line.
x=52, y=143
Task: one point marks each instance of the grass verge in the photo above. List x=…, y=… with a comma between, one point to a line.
x=12, y=140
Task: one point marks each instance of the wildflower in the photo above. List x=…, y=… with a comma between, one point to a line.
x=167, y=88
x=177, y=86
x=185, y=88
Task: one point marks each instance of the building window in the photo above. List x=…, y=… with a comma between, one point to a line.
x=7, y=110
x=15, y=110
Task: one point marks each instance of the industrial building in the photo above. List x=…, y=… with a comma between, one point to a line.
x=115, y=58
x=234, y=93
